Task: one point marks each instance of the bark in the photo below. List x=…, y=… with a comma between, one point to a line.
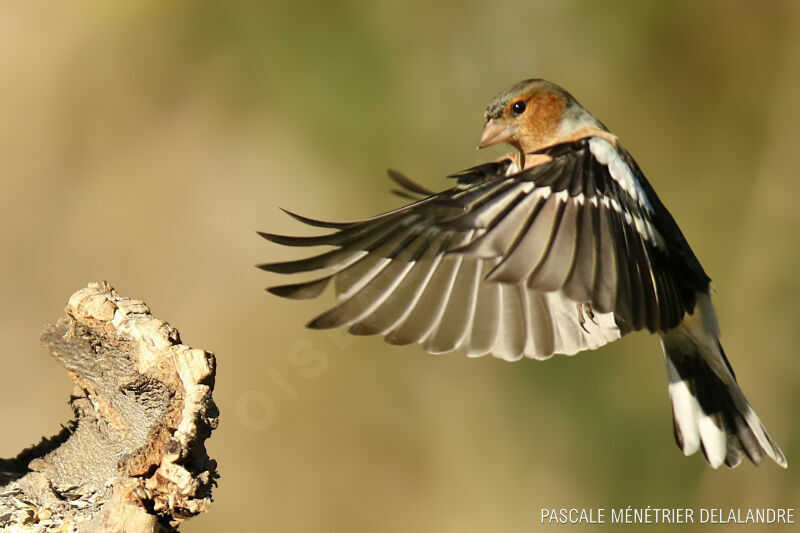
x=133, y=458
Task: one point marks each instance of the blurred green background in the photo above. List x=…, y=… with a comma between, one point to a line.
x=145, y=142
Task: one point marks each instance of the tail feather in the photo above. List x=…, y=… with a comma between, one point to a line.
x=710, y=411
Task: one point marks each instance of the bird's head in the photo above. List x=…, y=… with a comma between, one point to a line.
x=533, y=114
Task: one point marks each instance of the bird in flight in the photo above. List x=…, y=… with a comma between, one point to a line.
x=556, y=248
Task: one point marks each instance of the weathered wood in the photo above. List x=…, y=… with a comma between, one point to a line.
x=133, y=458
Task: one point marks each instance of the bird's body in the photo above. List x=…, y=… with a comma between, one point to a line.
x=561, y=247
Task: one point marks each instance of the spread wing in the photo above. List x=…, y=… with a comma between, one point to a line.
x=565, y=256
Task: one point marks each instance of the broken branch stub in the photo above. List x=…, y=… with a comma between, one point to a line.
x=134, y=457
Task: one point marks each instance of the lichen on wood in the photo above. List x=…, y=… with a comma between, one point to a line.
x=133, y=458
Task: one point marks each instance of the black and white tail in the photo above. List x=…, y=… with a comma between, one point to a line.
x=709, y=409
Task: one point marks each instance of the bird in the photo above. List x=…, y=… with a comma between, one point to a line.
x=558, y=247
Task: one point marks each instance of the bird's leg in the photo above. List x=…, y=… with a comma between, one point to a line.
x=585, y=310
x=520, y=162
x=581, y=319
x=515, y=166
x=590, y=313
x=534, y=160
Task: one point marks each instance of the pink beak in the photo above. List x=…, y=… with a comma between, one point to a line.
x=494, y=133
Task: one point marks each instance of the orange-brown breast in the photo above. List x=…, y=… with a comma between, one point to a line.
x=530, y=160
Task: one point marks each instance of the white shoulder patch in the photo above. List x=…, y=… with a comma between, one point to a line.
x=607, y=155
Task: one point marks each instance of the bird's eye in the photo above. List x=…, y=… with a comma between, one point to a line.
x=518, y=108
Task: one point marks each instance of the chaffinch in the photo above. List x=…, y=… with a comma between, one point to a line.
x=560, y=247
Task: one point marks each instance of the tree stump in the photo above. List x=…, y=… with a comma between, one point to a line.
x=133, y=458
